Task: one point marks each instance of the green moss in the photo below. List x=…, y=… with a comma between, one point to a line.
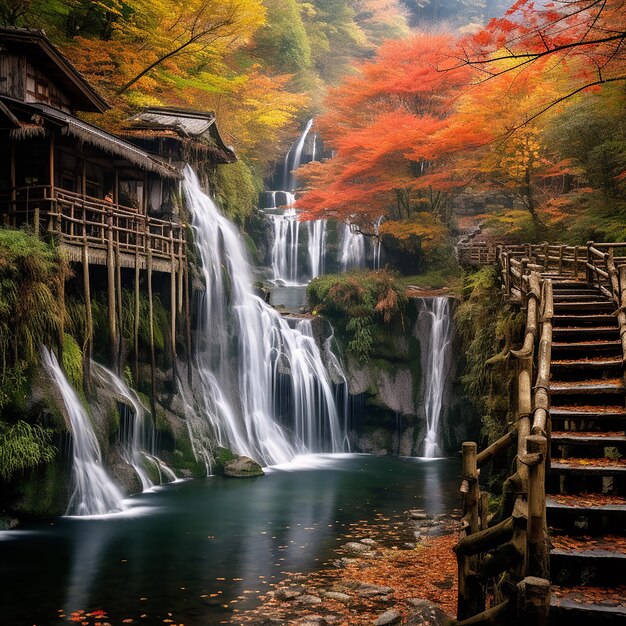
x=237, y=190
x=44, y=492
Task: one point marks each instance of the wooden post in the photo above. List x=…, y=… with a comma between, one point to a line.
x=621, y=316
x=533, y=598
x=89, y=319
x=151, y=326
x=588, y=273
x=136, y=314
x=120, y=311
x=483, y=510
x=13, y=183
x=538, y=553
x=561, y=259
x=173, y=303
x=187, y=296
x=111, y=293
x=575, y=261
x=61, y=292
x=471, y=599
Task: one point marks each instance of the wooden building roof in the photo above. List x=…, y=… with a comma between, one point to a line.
x=34, y=44
x=34, y=117
x=187, y=124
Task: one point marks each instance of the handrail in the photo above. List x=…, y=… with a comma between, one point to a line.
x=518, y=545
x=83, y=220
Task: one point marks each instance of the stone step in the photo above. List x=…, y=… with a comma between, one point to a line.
x=612, y=347
x=591, y=387
x=586, y=504
x=581, y=296
x=584, y=333
x=601, y=319
x=588, y=438
x=588, y=365
x=595, y=306
x=586, y=467
x=589, y=413
x=587, y=606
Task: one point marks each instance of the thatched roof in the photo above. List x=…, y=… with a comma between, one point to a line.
x=155, y=122
x=41, y=52
x=44, y=114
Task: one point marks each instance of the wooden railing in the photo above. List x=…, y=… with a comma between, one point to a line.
x=83, y=220
x=508, y=563
x=504, y=569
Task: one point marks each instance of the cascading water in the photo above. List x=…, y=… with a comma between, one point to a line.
x=245, y=352
x=436, y=317
x=377, y=243
x=139, y=442
x=94, y=493
x=352, y=249
x=285, y=223
x=316, y=230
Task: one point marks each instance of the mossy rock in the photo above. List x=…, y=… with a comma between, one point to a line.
x=242, y=467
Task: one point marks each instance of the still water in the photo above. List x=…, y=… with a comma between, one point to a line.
x=192, y=548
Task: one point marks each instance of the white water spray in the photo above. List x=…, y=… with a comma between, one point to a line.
x=436, y=314
x=246, y=354
x=352, y=249
x=94, y=493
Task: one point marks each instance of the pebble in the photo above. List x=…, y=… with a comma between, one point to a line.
x=309, y=600
x=286, y=594
x=356, y=548
x=418, y=515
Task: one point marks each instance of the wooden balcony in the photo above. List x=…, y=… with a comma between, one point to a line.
x=82, y=221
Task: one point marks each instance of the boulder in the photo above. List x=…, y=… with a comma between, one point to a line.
x=426, y=614
x=242, y=467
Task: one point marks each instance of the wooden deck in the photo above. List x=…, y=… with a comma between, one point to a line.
x=102, y=227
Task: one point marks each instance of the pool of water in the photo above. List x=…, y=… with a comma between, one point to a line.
x=200, y=549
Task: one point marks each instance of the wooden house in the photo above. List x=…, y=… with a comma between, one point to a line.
x=66, y=176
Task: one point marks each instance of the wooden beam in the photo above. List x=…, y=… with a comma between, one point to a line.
x=533, y=601
x=538, y=551
x=111, y=297
x=89, y=320
x=151, y=327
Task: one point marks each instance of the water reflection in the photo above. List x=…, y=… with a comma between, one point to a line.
x=208, y=542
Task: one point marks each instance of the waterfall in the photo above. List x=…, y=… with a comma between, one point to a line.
x=436, y=316
x=285, y=223
x=293, y=159
x=316, y=231
x=377, y=243
x=352, y=249
x=93, y=490
x=138, y=442
x=246, y=352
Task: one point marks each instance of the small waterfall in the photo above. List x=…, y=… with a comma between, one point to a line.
x=352, y=249
x=286, y=225
x=377, y=243
x=93, y=490
x=139, y=442
x=245, y=353
x=436, y=316
x=317, y=245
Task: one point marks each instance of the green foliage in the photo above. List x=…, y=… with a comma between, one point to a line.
x=488, y=328
x=73, y=361
x=237, y=190
x=30, y=311
x=359, y=300
x=22, y=446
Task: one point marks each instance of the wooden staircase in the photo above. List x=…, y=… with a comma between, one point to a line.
x=586, y=482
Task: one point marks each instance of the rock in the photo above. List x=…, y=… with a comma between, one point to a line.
x=285, y=594
x=309, y=600
x=367, y=591
x=344, y=562
x=356, y=548
x=369, y=542
x=387, y=618
x=311, y=620
x=337, y=596
x=242, y=467
x=418, y=515
x=427, y=614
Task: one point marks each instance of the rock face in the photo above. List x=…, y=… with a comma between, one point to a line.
x=242, y=467
x=390, y=387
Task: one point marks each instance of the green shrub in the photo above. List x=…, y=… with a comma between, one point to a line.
x=73, y=361
x=23, y=446
x=358, y=301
